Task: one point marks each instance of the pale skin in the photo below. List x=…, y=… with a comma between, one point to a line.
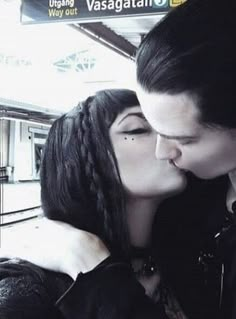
x=178, y=141
x=49, y=251
x=184, y=142
x=147, y=182
x=207, y=150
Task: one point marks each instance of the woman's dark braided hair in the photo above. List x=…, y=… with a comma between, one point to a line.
x=80, y=181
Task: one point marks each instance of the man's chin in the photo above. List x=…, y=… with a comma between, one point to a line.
x=206, y=175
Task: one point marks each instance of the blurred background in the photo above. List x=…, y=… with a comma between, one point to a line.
x=45, y=69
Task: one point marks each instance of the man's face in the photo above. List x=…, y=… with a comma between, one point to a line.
x=205, y=151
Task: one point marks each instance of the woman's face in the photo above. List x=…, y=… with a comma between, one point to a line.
x=134, y=143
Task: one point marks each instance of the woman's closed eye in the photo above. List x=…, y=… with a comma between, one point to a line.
x=137, y=131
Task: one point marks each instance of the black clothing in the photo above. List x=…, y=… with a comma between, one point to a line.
x=227, y=251
x=190, y=256
x=108, y=292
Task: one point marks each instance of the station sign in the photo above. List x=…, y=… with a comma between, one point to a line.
x=44, y=11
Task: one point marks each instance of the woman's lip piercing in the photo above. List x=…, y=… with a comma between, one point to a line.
x=173, y=163
x=181, y=169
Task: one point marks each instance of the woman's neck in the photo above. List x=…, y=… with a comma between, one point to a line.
x=140, y=217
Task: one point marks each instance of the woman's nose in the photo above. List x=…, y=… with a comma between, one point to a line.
x=166, y=149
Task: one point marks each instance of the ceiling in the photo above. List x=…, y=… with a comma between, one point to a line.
x=132, y=29
x=121, y=34
x=26, y=112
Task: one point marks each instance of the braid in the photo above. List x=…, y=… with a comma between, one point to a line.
x=80, y=181
x=92, y=176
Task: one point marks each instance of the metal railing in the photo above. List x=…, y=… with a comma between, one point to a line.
x=16, y=221
x=3, y=174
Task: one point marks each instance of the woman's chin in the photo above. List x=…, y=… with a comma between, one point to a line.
x=180, y=185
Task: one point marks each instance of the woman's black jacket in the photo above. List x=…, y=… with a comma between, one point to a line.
x=108, y=292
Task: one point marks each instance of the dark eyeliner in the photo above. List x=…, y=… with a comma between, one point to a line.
x=136, y=131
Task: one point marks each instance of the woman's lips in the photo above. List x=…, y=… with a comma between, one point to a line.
x=181, y=169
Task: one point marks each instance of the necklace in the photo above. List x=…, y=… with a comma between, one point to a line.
x=149, y=266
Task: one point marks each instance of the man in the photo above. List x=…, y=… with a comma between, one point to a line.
x=185, y=69
x=186, y=73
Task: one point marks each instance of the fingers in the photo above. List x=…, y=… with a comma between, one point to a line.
x=57, y=246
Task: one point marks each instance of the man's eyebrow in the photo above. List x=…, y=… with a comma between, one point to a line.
x=138, y=114
x=177, y=137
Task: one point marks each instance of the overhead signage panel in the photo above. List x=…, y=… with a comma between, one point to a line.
x=44, y=11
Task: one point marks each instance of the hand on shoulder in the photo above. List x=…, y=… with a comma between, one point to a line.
x=60, y=247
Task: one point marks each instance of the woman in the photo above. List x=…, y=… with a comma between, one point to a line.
x=99, y=173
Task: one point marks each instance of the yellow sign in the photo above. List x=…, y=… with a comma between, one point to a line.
x=175, y=3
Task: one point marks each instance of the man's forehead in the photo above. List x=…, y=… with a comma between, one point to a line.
x=170, y=114
x=180, y=104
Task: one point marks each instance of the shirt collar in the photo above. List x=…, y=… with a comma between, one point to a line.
x=231, y=196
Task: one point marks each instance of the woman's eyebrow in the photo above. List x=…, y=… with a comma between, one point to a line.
x=138, y=114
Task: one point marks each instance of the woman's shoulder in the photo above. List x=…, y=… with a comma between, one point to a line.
x=15, y=269
x=26, y=289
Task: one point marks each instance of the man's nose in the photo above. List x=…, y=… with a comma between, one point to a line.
x=166, y=149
